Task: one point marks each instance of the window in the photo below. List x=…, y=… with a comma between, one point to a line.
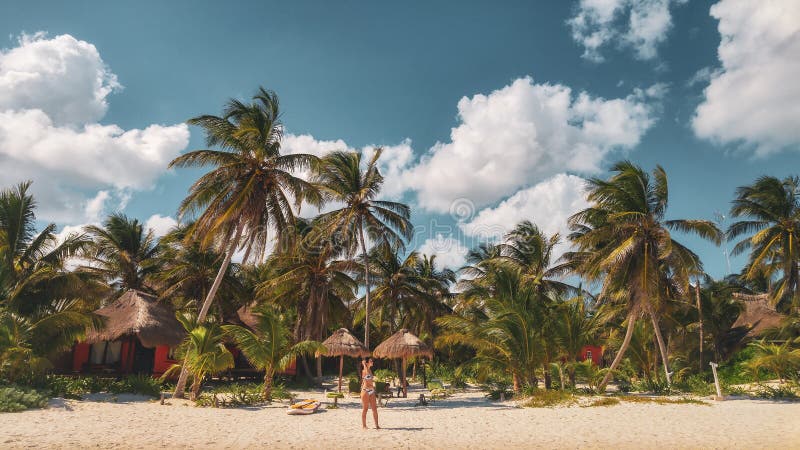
x=105, y=352
x=588, y=355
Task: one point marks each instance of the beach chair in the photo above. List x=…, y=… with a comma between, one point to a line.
x=383, y=393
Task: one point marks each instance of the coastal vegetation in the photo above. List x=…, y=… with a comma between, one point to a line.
x=515, y=319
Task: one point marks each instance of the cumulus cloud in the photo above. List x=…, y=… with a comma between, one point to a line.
x=160, y=225
x=450, y=253
x=754, y=99
x=522, y=134
x=547, y=204
x=641, y=25
x=53, y=92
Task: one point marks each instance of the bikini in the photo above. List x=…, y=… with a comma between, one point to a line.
x=369, y=391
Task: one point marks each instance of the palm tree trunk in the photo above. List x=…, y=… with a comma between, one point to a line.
x=548, y=378
x=620, y=353
x=201, y=317
x=319, y=367
x=662, y=348
x=366, y=282
x=517, y=384
x=268, y=374
x=699, y=319
x=561, y=376
x=341, y=367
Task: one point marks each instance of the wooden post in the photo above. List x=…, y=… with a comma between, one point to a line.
x=341, y=366
x=403, y=379
x=716, y=381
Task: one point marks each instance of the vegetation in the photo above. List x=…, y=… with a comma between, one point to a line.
x=14, y=399
x=517, y=318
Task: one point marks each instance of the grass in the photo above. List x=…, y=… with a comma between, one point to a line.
x=605, y=401
x=549, y=399
x=660, y=400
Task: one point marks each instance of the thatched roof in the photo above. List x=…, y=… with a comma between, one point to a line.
x=140, y=314
x=758, y=315
x=342, y=342
x=402, y=344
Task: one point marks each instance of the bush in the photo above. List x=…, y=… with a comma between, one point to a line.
x=14, y=399
x=604, y=401
x=385, y=375
x=77, y=387
x=137, y=384
x=696, y=384
x=776, y=393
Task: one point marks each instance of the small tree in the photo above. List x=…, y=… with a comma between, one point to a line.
x=203, y=352
x=268, y=347
x=781, y=359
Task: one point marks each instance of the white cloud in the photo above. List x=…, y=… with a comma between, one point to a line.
x=755, y=98
x=522, y=134
x=641, y=25
x=449, y=252
x=160, y=225
x=547, y=204
x=52, y=95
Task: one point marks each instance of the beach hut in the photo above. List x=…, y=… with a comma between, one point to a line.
x=137, y=336
x=403, y=345
x=342, y=343
x=758, y=315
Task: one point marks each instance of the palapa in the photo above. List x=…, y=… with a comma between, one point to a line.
x=403, y=345
x=342, y=343
x=758, y=315
x=136, y=313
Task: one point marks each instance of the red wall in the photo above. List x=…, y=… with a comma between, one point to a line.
x=162, y=362
x=597, y=353
x=80, y=356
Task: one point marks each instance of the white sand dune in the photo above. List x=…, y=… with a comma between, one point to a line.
x=464, y=421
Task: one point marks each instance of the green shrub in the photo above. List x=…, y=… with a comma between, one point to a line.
x=603, y=401
x=14, y=399
x=137, y=384
x=696, y=384
x=776, y=393
x=385, y=375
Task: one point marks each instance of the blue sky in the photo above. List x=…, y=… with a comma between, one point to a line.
x=545, y=90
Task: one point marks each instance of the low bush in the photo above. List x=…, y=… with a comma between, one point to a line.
x=776, y=393
x=544, y=398
x=604, y=401
x=15, y=399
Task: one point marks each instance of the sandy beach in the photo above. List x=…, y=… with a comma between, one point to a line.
x=465, y=420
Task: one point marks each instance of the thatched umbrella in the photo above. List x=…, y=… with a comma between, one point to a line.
x=138, y=314
x=403, y=345
x=758, y=315
x=342, y=343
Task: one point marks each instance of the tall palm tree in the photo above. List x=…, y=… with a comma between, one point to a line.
x=529, y=249
x=771, y=211
x=342, y=179
x=123, y=252
x=251, y=188
x=624, y=240
x=269, y=346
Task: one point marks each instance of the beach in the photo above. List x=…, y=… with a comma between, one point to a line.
x=465, y=420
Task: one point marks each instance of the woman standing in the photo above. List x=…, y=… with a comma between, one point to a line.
x=368, y=395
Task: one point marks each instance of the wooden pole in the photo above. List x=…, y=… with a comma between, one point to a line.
x=403, y=381
x=716, y=381
x=341, y=366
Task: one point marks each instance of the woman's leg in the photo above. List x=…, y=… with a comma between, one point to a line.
x=373, y=401
x=364, y=406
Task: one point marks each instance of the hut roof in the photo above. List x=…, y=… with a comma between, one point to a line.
x=342, y=342
x=140, y=314
x=758, y=315
x=402, y=344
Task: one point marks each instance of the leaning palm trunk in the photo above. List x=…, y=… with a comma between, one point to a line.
x=662, y=348
x=700, y=319
x=366, y=281
x=201, y=317
x=268, y=374
x=617, y=359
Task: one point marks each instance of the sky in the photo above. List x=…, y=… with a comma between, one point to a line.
x=488, y=112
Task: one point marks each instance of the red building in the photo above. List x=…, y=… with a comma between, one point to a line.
x=592, y=352
x=137, y=336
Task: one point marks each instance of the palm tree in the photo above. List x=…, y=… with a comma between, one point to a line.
x=575, y=327
x=203, y=352
x=780, y=359
x=623, y=239
x=251, y=188
x=343, y=180
x=312, y=278
x=188, y=271
x=772, y=211
x=511, y=338
x=123, y=252
x=269, y=346
x=529, y=249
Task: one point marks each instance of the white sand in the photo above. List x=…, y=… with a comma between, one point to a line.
x=464, y=421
